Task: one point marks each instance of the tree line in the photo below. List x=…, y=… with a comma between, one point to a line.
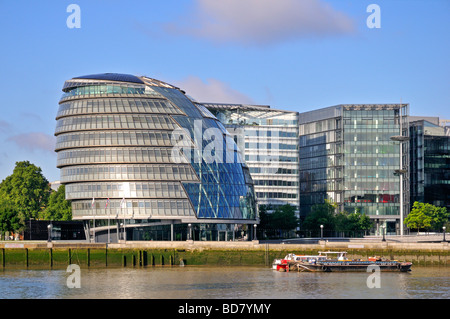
x=26, y=194
x=282, y=222
x=425, y=216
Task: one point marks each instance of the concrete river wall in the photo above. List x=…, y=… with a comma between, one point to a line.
x=57, y=255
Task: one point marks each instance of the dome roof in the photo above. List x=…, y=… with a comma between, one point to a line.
x=112, y=77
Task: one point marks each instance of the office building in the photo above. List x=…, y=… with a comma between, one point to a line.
x=430, y=161
x=350, y=155
x=268, y=139
x=136, y=153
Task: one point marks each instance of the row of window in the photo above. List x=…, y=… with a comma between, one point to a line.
x=128, y=172
x=374, y=210
x=387, y=162
x=320, y=150
x=373, y=198
x=366, y=123
x=315, y=186
x=268, y=146
x=319, y=138
x=109, y=89
x=271, y=158
x=264, y=182
x=368, y=185
x=371, y=149
x=437, y=145
x=369, y=135
x=118, y=155
x=370, y=114
x=350, y=186
x=309, y=199
x=268, y=133
x=350, y=148
x=275, y=195
x=125, y=190
x=114, y=138
x=98, y=122
x=356, y=136
x=369, y=173
x=116, y=105
x=321, y=162
x=321, y=174
x=320, y=126
x=134, y=208
x=272, y=170
x=441, y=166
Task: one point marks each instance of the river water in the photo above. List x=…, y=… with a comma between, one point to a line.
x=222, y=283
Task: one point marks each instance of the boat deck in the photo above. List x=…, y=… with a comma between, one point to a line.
x=323, y=263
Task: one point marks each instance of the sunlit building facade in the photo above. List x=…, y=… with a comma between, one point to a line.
x=357, y=156
x=137, y=153
x=269, y=140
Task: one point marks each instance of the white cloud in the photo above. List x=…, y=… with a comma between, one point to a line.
x=262, y=22
x=5, y=127
x=212, y=90
x=34, y=141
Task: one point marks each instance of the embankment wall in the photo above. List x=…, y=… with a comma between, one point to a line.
x=43, y=255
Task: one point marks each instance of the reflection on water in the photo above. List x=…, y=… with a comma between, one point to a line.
x=222, y=283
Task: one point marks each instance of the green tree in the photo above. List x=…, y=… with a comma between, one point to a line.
x=278, y=223
x=9, y=220
x=58, y=208
x=264, y=216
x=284, y=220
x=364, y=222
x=426, y=216
x=347, y=224
x=352, y=224
x=27, y=189
x=342, y=223
x=321, y=214
x=284, y=217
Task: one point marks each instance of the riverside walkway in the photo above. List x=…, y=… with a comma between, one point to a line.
x=406, y=242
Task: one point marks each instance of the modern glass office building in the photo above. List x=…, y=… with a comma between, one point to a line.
x=430, y=161
x=137, y=153
x=269, y=140
x=357, y=156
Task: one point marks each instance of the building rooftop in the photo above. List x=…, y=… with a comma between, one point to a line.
x=112, y=77
x=103, y=78
x=263, y=109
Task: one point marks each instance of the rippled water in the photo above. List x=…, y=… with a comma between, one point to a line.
x=222, y=283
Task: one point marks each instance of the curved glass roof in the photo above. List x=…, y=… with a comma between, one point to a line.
x=112, y=77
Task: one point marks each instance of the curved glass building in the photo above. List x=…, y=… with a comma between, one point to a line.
x=136, y=154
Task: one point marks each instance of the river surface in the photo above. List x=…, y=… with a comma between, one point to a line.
x=222, y=283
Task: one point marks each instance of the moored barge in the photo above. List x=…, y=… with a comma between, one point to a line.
x=324, y=263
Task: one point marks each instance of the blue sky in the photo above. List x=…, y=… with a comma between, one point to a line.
x=291, y=54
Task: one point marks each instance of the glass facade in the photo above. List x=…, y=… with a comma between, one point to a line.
x=269, y=140
x=321, y=158
x=117, y=145
x=430, y=163
x=348, y=155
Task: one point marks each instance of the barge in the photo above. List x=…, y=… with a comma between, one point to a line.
x=324, y=263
